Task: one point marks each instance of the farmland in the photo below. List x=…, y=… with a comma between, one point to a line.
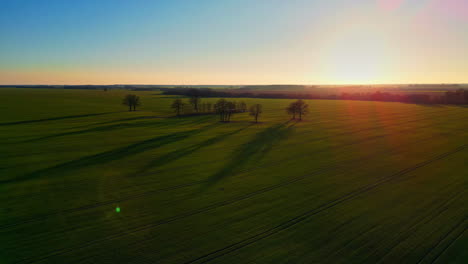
x=355, y=182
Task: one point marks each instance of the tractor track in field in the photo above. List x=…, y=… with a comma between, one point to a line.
x=264, y=234
x=433, y=213
x=55, y=118
x=300, y=218
x=412, y=226
x=452, y=230
x=359, y=236
x=440, y=208
x=130, y=197
x=449, y=245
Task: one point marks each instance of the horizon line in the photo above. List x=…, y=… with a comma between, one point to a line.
x=271, y=84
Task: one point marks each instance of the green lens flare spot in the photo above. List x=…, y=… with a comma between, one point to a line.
x=117, y=209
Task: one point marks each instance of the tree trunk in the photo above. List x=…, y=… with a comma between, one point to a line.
x=129, y=108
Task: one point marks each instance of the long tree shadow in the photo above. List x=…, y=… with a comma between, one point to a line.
x=180, y=153
x=163, y=121
x=253, y=151
x=121, y=120
x=144, y=124
x=53, y=119
x=95, y=129
x=108, y=156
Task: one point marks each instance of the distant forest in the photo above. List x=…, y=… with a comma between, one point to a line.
x=410, y=93
x=458, y=96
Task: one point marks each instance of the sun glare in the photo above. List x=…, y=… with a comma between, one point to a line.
x=359, y=57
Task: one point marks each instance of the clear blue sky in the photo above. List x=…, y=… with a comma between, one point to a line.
x=233, y=41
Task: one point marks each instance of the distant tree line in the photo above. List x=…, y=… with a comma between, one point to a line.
x=223, y=108
x=459, y=96
x=207, y=92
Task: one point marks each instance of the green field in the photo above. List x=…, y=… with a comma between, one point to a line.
x=355, y=182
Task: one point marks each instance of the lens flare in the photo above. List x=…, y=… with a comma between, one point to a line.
x=451, y=8
x=390, y=5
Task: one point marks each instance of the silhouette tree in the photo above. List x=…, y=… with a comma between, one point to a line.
x=242, y=107
x=231, y=108
x=178, y=106
x=220, y=108
x=194, y=98
x=298, y=107
x=291, y=109
x=132, y=101
x=255, y=111
x=225, y=109
x=302, y=108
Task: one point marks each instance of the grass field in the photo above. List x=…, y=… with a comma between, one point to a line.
x=355, y=182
